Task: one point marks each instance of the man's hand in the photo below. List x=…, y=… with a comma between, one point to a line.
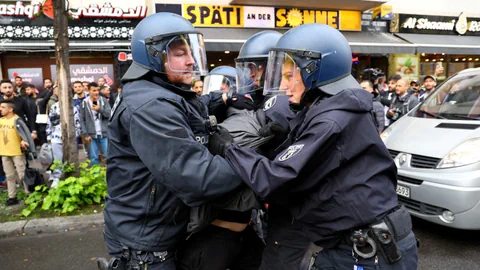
x=390, y=113
x=88, y=139
x=95, y=107
x=220, y=141
x=24, y=145
x=273, y=129
x=34, y=135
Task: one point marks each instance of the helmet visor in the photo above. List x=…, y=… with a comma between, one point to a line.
x=218, y=83
x=250, y=76
x=282, y=73
x=186, y=54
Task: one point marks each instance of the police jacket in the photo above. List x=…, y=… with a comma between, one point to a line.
x=158, y=166
x=244, y=126
x=215, y=105
x=334, y=166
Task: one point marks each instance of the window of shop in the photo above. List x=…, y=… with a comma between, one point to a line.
x=450, y=63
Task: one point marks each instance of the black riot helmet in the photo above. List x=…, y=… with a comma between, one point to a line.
x=251, y=63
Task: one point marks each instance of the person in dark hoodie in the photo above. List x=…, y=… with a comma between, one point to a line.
x=158, y=163
x=349, y=209
x=228, y=235
x=377, y=106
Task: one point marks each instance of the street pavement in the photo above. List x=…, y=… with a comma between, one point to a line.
x=441, y=248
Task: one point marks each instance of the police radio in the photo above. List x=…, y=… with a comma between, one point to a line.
x=212, y=124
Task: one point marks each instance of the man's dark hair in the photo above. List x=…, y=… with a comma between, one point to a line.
x=47, y=79
x=101, y=78
x=77, y=82
x=9, y=103
x=92, y=84
x=195, y=81
x=18, y=77
x=370, y=84
x=6, y=81
x=84, y=82
x=394, y=78
x=30, y=85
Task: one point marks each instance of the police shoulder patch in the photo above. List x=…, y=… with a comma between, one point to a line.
x=290, y=152
x=270, y=103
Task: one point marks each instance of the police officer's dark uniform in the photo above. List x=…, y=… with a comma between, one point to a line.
x=286, y=242
x=342, y=202
x=158, y=165
x=225, y=240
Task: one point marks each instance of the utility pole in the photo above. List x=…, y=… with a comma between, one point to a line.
x=62, y=49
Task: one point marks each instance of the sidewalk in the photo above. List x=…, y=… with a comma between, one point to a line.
x=50, y=225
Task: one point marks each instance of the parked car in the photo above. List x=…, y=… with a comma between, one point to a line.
x=436, y=148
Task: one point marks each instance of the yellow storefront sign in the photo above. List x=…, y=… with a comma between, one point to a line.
x=213, y=15
x=340, y=19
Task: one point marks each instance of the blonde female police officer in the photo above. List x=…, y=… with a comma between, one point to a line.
x=337, y=172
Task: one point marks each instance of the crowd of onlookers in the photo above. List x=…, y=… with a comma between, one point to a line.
x=31, y=117
x=392, y=99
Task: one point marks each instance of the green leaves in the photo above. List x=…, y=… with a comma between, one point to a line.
x=71, y=193
x=408, y=63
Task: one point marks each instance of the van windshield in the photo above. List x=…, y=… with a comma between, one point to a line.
x=458, y=98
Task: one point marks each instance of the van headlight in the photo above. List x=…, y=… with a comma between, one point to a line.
x=464, y=154
x=385, y=134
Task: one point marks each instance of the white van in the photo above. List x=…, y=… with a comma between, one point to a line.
x=436, y=148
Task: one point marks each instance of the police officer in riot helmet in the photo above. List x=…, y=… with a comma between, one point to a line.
x=251, y=65
x=158, y=165
x=284, y=239
x=349, y=209
x=220, y=79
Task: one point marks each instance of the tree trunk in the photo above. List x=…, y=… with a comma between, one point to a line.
x=60, y=34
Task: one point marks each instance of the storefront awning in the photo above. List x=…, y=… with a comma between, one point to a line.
x=448, y=44
x=232, y=39
x=376, y=42
x=75, y=45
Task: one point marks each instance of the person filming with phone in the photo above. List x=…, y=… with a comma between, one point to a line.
x=94, y=114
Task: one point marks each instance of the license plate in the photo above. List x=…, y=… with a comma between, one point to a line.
x=403, y=191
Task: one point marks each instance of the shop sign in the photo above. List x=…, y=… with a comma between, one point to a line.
x=405, y=65
x=87, y=73
x=262, y=17
x=19, y=9
x=383, y=12
x=259, y=17
x=213, y=16
x=369, y=25
x=422, y=24
x=340, y=19
x=29, y=75
x=19, y=21
x=108, y=11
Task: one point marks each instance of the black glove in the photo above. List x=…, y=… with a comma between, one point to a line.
x=240, y=102
x=220, y=141
x=273, y=129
